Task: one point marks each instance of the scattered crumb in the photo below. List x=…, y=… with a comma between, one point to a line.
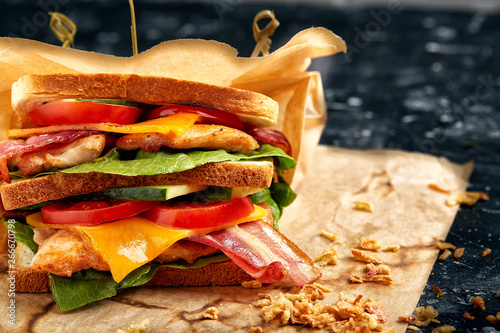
x=407, y=319
x=375, y=273
x=392, y=248
x=211, y=313
x=425, y=316
x=486, y=252
x=355, y=279
x=135, y=328
x=363, y=206
x=494, y=320
x=369, y=244
x=445, y=255
x=328, y=257
x=252, y=284
x=438, y=290
x=467, y=198
x=444, y=329
x=331, y=236
x=498, y=294
x=255, y=330
x=451, y=202
x=315, y=290
x=438, y=188
x=478, y=302
x=377, y=270
x=377, y=278
x=459, y=252
x=365, y=257
x=412, y=328
x=347, y=315
x=467, y=316
x=444, y=246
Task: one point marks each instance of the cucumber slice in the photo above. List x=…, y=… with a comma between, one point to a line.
x=216, y=193
x=96, y=100
x=108, y=101
x=240, y=192
x=151, y=193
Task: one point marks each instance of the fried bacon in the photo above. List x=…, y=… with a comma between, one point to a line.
x=263, y=253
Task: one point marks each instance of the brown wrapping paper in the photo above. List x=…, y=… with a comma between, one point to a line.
x=406, y=211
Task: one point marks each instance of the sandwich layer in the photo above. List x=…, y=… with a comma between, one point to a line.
x=215, y=274
x=31, y=91
x=21, y=193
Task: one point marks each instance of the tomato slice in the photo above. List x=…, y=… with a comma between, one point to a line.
x=196, y=215
x=273, y=137
x=209, y=116
x=78, y=112
x=93, y=212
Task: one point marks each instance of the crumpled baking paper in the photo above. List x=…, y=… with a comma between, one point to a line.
x=406, y=211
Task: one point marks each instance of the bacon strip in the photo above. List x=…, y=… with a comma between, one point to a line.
x=10, y=148
x=263, y=253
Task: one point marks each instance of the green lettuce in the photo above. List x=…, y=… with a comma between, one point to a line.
x=23, y=233
x=162, y=162
x=280, y=195
x=89, y=285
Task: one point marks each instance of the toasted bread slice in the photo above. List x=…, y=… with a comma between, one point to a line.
x=21, y=193
x=31, y=91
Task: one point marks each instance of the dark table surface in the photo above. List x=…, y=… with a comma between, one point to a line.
x=417, y=80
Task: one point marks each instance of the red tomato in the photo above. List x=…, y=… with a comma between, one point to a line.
x=75, y=112
x=209, y=116
x=273, y=137
x=196, y=215
x=93, y=212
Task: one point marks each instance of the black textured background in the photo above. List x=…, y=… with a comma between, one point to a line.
x=417, y=80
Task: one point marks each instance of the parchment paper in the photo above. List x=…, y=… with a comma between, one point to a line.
x=406, y=212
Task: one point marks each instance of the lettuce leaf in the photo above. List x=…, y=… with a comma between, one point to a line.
x=280, y=195
x=162, y=162
x=23, y=233
x=89, y=285
x=81, y=288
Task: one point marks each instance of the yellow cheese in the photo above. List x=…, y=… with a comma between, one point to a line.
x=175, y=125
x=132, y=242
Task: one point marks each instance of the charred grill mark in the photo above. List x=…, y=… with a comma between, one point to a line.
x=194, y=316
x=137, y=304
x=33, y=320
